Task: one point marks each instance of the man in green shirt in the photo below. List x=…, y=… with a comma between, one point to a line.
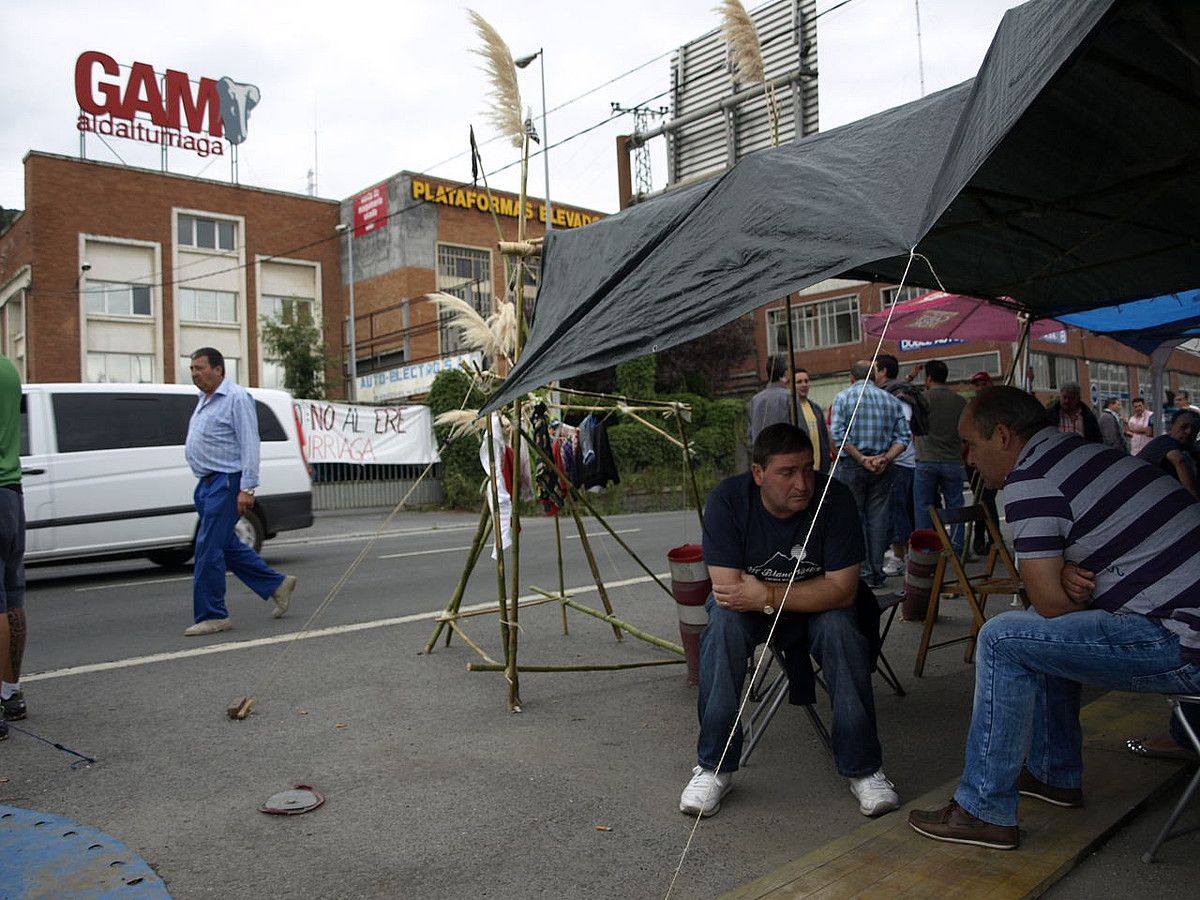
x=12, y=548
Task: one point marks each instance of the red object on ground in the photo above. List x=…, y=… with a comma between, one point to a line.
x=690, y=586
x=924, y=548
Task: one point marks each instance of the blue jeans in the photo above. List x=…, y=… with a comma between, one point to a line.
x=219, y=551
x=901, y=504
x=1028, y=678
x=930, y=479
x=872, y=493
x=832, y=637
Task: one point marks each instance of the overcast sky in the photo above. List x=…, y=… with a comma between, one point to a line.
x=391, y=86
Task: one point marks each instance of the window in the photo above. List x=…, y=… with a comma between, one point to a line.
x=466, y=273
x=185, y=369
x=1191, y=384
x=197, y=305
x=1144, y=385
x=1109, y=380
x=961, y=368
x=209, y=234
x=114, y=298
x=894, y=295
x=12, y=320
x=125, y=368
x=88, y=421
x=285, y=310
x=821, y=324
x=1051, y=372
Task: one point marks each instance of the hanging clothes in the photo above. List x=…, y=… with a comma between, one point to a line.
x=602, y=469
x=586, y=431
x=549, y=495
x=503, y=494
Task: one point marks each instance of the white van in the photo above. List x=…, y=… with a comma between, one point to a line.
x=103, y=472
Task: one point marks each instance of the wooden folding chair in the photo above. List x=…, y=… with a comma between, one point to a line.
x=975, y=589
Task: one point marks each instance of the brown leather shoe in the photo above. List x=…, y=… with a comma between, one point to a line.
x=955, y=825
x=1028, y=785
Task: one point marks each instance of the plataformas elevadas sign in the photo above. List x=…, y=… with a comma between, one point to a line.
x=181, y=113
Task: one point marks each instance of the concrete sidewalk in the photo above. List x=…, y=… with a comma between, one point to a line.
x=434, y=790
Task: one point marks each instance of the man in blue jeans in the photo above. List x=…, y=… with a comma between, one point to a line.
x=783, y=537
x=223, y=451
x=879, y=434
x=939, y=453
x=1108, y=552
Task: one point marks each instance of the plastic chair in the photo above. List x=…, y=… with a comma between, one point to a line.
x=975, y=589
x=1177, y=702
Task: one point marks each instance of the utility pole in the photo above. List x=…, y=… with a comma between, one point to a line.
x=643, y=182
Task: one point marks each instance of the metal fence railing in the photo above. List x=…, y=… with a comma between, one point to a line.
x=354, y=486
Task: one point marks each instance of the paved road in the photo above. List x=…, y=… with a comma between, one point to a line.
x=433, y=788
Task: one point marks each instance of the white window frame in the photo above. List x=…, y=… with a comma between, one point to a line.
x=144, y=360
x=450, y=338
x=105, y=289
x=217, y=221
x=195, y=319
x=812, y=323
x=1107, y=381
x=888, y=295
x=1054, y=379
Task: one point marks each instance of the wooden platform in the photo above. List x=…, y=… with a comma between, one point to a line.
x=887, y=859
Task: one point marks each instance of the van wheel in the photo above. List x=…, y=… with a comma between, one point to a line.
x=172, y=558
x=249, y=530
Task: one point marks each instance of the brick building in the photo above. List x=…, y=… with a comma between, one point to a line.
x=113, y=273
x=828, y=336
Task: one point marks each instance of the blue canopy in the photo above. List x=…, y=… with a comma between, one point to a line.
x=1144, y=325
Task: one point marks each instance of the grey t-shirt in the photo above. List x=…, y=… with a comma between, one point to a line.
x=942, y=443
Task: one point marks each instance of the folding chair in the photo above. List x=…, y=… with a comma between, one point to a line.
x=975, y=589
x=769, y=695
x=1177, y=702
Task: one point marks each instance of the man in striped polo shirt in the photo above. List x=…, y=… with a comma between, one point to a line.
x=1109, y=548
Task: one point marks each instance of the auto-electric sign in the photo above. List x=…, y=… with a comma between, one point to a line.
x=185, y=114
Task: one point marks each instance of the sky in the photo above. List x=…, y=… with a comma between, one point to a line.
x=359, y=90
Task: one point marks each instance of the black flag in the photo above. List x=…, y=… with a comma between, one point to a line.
x=474, y=159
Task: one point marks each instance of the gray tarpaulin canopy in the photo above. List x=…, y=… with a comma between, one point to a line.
x=1065, y=176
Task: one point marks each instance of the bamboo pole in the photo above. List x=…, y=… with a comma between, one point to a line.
x=456, y=599
x=664, y=404
x=470, y=614
x=583, y=667
x=674, y=440
x=562, y=584
x=687, y=461
x=794, y=406
x=454, y=626
x=613, y=620
x=581, y=496
x=591, y=559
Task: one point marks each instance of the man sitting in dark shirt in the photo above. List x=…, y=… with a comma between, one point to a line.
x=1172, y=452
x=767, y=548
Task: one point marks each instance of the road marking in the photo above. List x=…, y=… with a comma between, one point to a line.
x=133, y=661
x=125, y=584
x=460, y=549
x=424, y=552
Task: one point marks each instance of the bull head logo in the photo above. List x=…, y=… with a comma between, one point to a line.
x=237, y=100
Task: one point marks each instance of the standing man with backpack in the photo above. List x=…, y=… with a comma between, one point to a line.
x=916, y=411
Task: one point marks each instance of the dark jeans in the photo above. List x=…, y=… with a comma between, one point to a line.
x=901, y=504
x=832, y=637
x=932, y=479
x=872, y=494
x=12, y=549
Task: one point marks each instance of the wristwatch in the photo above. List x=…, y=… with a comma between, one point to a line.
x=768, y=610
x=249, y=491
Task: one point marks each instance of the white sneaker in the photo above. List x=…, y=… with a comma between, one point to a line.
x=283, y=595
x=889, y=555
x=208, y=626
x=704, y=792
x=892, y=568
x=876, y=795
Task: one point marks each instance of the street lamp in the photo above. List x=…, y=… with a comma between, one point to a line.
x=349, y=232
x=520, y=64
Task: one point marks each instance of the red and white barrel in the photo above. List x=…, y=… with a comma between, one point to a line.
x=924, y=548
x=690, y=586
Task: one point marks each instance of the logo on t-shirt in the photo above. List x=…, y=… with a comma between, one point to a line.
x=779, y=567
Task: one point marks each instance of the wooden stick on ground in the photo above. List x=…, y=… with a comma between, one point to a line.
x=456, y=598
x=587, y=552
x=582, y=667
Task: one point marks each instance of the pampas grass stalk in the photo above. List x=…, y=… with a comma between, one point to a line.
x=745, y=50
x=505, y=111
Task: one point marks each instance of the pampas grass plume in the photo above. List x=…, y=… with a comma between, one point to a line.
x=742, y=37
x=505, y=111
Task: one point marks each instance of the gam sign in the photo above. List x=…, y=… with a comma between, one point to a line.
x=208, y=110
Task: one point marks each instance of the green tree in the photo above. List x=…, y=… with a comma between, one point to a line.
x=298, y=344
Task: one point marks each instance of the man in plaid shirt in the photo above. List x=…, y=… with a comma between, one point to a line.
x=880, y=434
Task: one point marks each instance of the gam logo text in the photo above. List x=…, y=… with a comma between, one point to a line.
x=107, y=106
